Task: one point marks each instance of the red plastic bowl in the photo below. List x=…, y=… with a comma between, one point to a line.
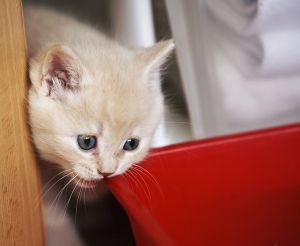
x=236, y=190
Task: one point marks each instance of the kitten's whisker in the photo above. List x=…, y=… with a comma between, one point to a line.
x=44, y=193
x=140, y=175
x=84, y=192
x=135, y=180
x=77, y=203
x=61, y=172
x=67, y=204
x=146, y=185
x=147, y=172
x=129, y=180
x=149, y=175
x=61, y=191
x=94, y=194
x=138, y=183
x=55, y=203
x=68, y=171
x=132, y=178
x=142, y=184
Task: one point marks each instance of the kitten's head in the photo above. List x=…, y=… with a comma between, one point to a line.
x=95, y=113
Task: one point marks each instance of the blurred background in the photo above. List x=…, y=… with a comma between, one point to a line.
x=239, y=61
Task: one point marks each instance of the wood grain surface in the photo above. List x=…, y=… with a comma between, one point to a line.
x=20, y=219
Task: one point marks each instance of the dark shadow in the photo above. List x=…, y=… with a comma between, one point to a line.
x=102, y=223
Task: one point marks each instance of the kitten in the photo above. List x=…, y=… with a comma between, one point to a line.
x=94, y=105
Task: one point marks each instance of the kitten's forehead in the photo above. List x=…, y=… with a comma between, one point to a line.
x=119, y=94
x=118, y=88
x=118, y=102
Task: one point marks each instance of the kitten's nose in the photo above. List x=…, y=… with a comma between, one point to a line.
x=104, y=174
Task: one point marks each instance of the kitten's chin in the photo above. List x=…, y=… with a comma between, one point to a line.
x=91, y=191
x=87, y=184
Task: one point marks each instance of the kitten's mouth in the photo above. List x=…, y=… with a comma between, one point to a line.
x=88, y=184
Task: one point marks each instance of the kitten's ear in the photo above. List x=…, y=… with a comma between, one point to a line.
x=155, y=56
x=59, y=70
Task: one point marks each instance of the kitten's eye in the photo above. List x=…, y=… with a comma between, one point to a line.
x=86, y=142
x=131, y=144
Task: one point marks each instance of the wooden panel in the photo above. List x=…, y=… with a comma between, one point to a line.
x=20, y=220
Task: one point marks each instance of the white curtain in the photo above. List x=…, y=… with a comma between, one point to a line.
x=244, y=57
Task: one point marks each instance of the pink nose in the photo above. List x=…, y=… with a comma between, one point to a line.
x=105, y=174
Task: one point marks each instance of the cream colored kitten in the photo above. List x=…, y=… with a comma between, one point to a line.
x=88, y=89
x=93, y=104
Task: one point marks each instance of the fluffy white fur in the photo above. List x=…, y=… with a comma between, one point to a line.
x=85, y=83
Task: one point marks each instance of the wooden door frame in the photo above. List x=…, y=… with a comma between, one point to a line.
x=21, y=220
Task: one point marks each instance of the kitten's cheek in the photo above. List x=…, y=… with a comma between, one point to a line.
x=86, y=173
x=121, y=170
x=116, y=173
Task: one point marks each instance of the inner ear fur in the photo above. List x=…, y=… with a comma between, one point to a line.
x=56, y=69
